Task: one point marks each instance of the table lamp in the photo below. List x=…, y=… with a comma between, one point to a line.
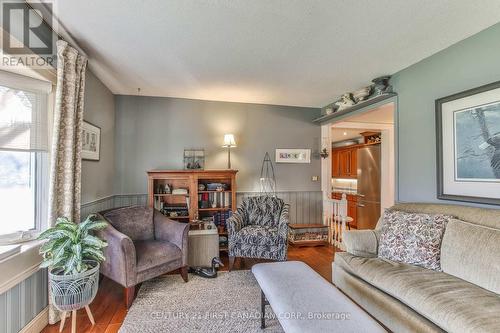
x=229, y=143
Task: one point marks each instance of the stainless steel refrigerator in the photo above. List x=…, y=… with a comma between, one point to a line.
x=368, y=206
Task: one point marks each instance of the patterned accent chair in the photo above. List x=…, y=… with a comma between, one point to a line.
x=142, y=244
x=258, y=229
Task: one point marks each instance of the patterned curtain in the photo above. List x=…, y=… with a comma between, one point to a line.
x=65, y=167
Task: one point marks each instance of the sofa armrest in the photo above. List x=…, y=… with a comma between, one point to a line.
x=363, y=243
x=173, y=232
x=235, y=223
x=120, y=263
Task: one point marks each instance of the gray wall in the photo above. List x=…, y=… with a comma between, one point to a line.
x=152, y=132
x=99, y=109
x=470, y=63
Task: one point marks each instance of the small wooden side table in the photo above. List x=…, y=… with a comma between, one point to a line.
x=308, y=234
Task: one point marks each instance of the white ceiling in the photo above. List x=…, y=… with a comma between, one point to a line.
x=290, y=52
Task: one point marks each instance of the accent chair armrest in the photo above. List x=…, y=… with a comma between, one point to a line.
x=120, y=263
x=283, y=223
x=173, y=232
x=363, y=243
x=235, y=223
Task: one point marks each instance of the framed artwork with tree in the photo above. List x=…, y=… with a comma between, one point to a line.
x=468, y=145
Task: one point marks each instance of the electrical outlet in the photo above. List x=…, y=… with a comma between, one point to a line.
x=315, y=178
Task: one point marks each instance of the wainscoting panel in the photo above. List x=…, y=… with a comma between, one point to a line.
x=131, y=200
x=305, y=206
x=97, y=206
x=23, y=302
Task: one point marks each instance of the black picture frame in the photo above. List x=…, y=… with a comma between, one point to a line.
x=89, y=155
x=439, y=146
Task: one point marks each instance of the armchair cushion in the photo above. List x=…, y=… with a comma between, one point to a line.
x=262, y=210
x=135, y=222
x=259, y=229
x=258, y=235
x=172, y=231
x=155, y=253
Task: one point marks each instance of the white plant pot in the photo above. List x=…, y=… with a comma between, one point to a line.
x=73, y=292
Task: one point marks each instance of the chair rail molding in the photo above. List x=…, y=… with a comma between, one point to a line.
x=306, y=207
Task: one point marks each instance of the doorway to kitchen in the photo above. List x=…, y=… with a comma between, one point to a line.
x=361, y=164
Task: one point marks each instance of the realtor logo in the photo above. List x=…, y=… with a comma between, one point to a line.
x=28, y=38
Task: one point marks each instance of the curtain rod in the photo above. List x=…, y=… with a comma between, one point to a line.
x=68, y=39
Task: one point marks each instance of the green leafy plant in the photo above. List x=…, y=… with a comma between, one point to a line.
x=71, y=247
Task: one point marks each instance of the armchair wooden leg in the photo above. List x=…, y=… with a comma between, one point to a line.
x=231, y=262
x=184, y=273
x=129, y=296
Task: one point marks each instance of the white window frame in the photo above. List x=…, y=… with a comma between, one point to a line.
x=43, y=89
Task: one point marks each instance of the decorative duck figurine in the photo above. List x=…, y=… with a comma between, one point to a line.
x=344, y=102
x=207, y=272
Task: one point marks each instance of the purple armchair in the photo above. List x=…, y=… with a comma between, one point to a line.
x=142, y=244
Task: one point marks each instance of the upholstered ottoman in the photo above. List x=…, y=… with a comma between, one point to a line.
x=303, y=301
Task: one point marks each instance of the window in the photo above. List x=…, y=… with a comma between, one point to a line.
x=23, y=155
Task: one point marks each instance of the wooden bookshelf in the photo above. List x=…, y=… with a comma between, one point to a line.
x=216, y=202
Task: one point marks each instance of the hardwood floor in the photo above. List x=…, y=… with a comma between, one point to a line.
x=109, y=309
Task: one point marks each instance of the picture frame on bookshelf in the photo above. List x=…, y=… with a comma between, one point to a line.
x=194, y=159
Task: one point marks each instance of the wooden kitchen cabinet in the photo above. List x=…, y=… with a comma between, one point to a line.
x=351, y=210
x=344, y=162
x=335, y=163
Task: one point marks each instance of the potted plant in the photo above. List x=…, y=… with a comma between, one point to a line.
x=72, y=255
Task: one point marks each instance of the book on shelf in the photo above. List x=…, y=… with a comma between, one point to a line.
x=214, y=200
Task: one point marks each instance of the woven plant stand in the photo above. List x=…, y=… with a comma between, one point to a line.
x=74, y=292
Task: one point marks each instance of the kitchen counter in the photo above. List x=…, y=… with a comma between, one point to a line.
x=346, y=191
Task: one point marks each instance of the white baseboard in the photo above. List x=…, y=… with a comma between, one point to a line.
x=38, y=323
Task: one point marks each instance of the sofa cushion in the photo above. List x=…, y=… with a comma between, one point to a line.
x=135, y=222
x=451, y=303
x=472, y=253
x=412, y=238
x=256, y=234
x=153, y=253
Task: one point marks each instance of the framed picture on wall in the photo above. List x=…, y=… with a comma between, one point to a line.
x=468, y=145
x=293, y=155
x=91, y=142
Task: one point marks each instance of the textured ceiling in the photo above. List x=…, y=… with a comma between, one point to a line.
x=287, y=52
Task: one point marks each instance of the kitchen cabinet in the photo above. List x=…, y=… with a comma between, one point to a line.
x=344, y=162
x=352, y=202
x=335, y=164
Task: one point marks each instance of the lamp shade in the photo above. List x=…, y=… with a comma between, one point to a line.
x=229, y=141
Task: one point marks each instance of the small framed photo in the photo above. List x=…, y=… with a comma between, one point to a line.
x=284, y=155
x=194, y=159
x=468, y=145
x=91, y=142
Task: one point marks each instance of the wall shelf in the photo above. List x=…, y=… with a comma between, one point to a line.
x=356, y=107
